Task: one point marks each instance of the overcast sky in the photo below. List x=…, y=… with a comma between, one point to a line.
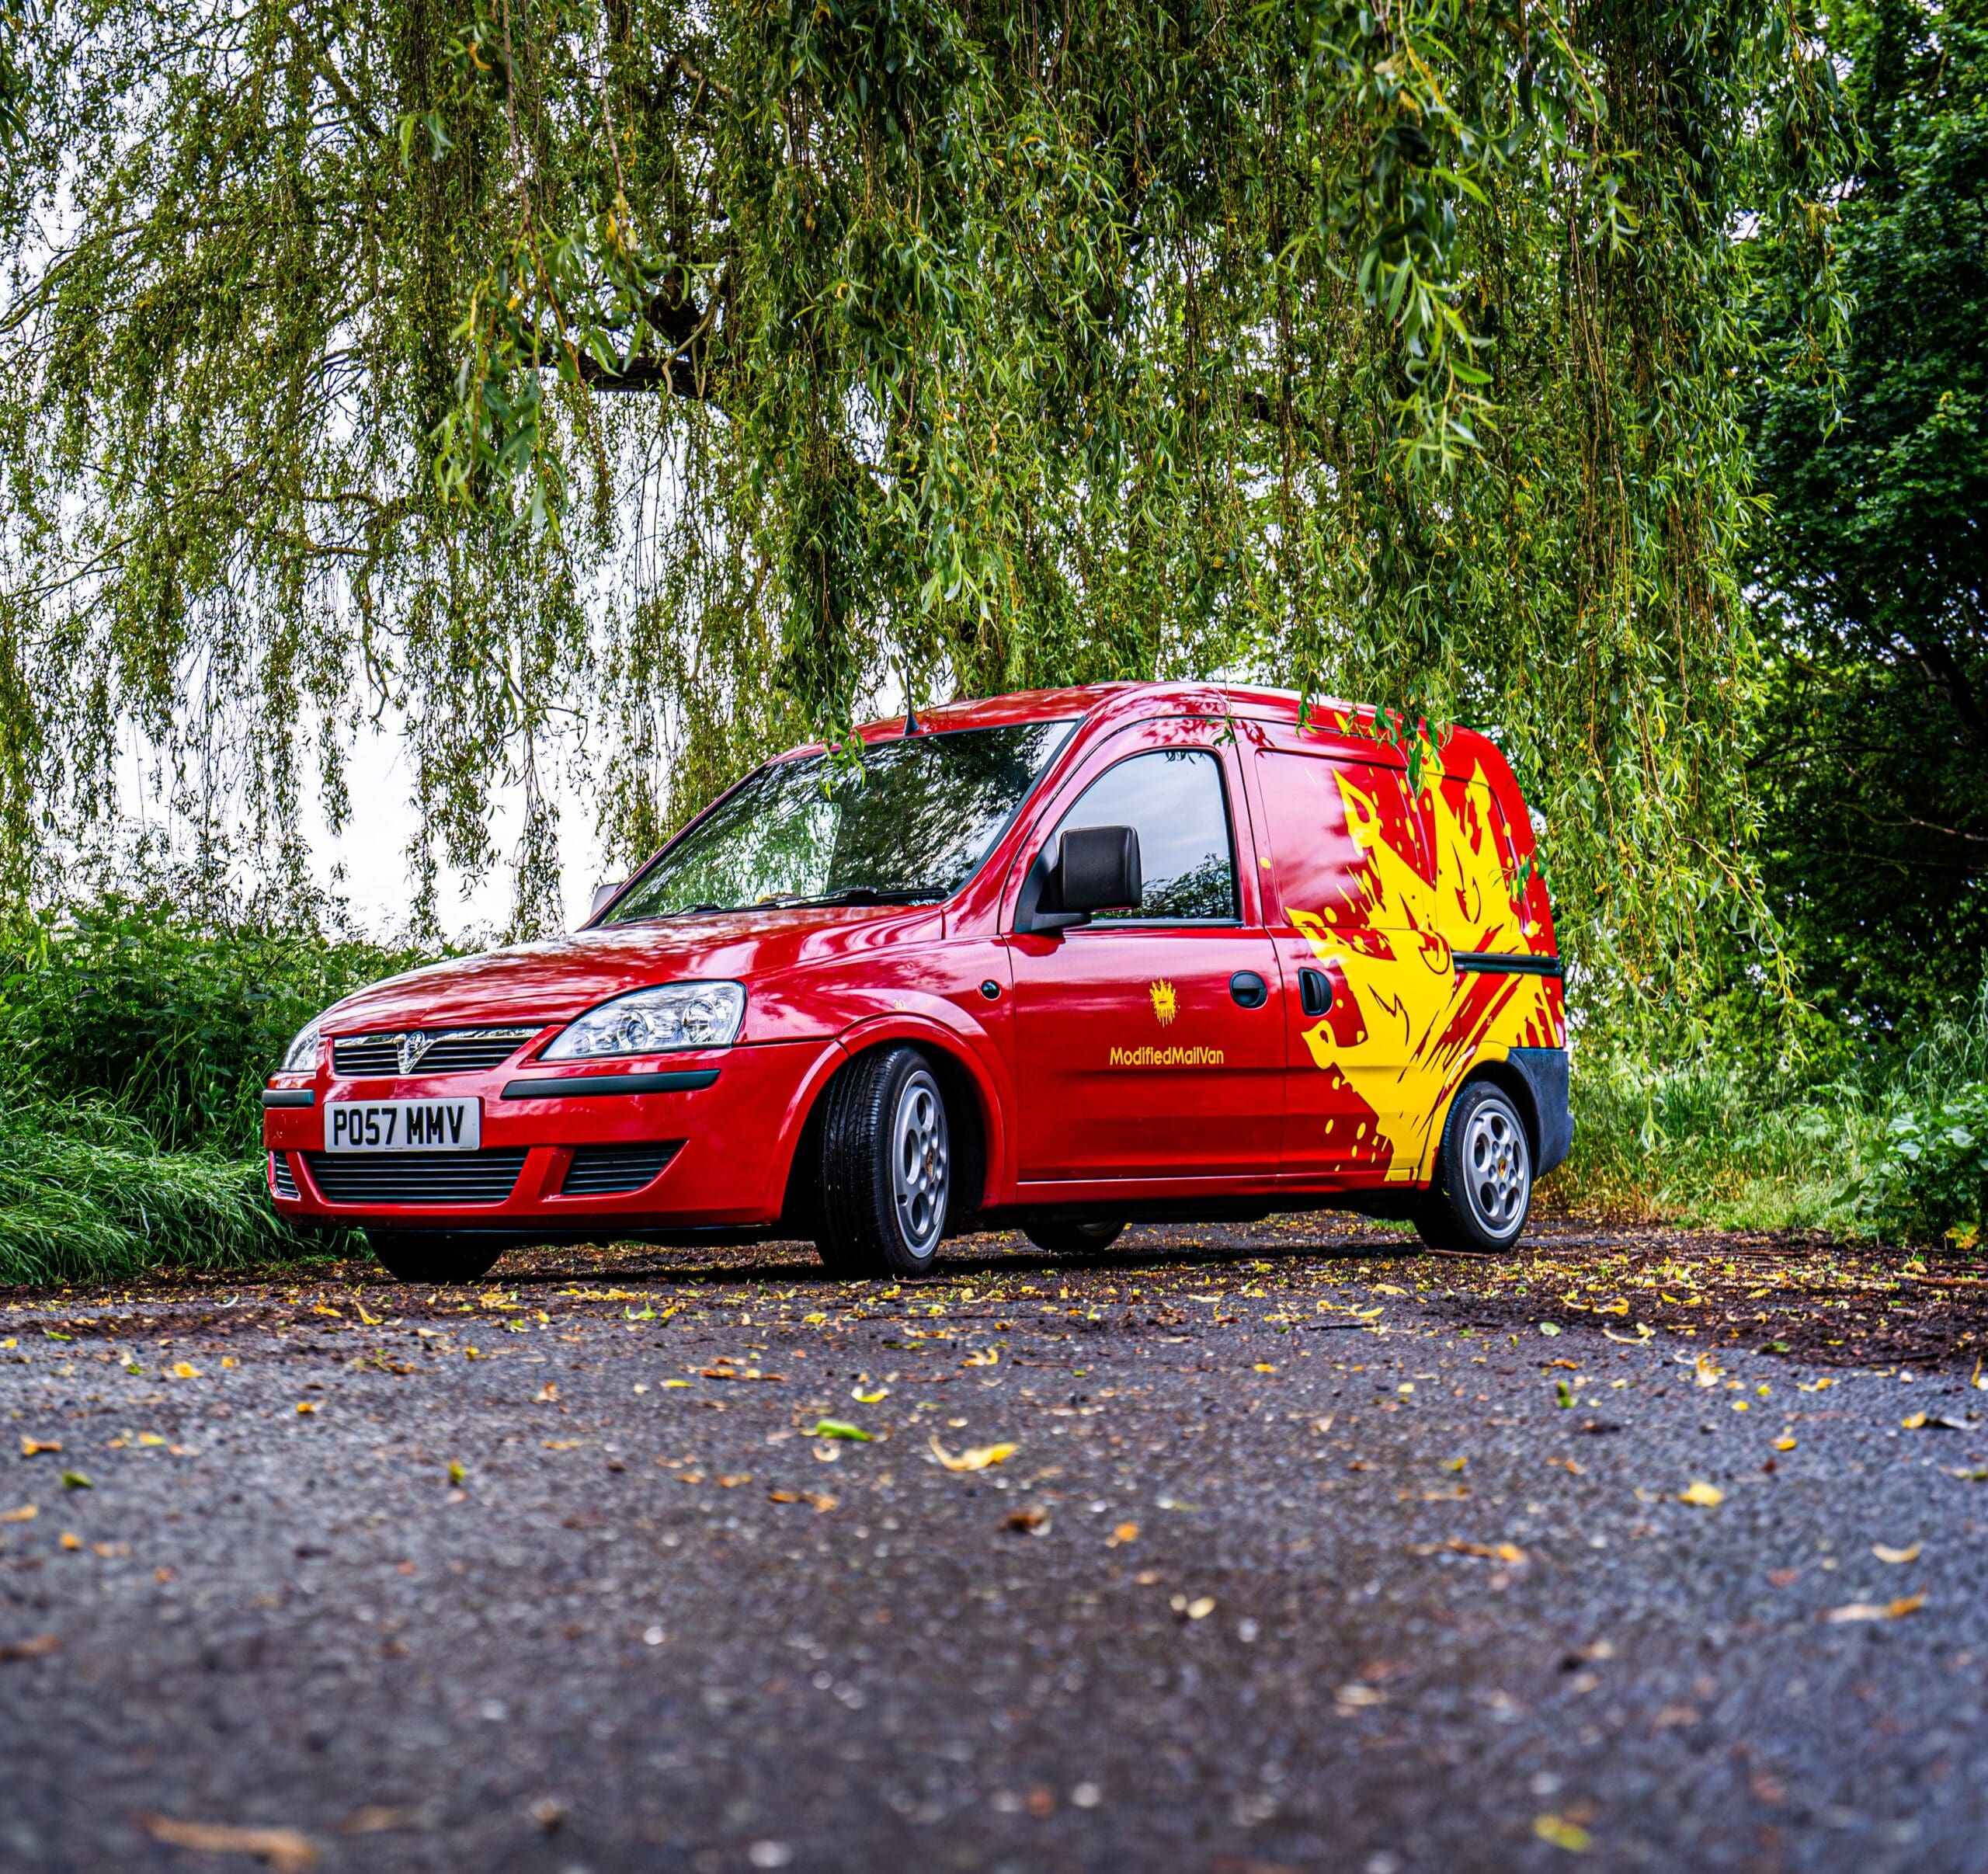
x=373, y=850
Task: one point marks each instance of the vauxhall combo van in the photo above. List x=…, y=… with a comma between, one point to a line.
x=1054, y=961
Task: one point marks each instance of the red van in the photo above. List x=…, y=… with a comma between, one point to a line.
x=1054, y=961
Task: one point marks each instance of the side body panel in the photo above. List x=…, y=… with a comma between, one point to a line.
x=1135, y=1066
x=1380, y=886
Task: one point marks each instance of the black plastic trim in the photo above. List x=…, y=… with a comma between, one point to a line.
x=1545, y=1071
x=1502, y=963
x=288, y=1096
x=586, y=1086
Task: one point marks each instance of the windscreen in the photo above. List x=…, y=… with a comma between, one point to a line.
x=912, y=821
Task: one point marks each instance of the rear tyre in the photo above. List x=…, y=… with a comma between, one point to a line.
x=1073, y=1239
x=886, y=1182
x=1481, y=1193
x=434, y=1255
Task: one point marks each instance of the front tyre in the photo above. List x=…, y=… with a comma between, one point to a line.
x=887, y=1188
x=1073, y=1239
x=434, y=1255
x=1481, y=1192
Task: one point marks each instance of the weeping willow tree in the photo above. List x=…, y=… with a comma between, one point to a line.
x=664, y=379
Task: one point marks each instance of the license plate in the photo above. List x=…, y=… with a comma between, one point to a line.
x=403, y=1126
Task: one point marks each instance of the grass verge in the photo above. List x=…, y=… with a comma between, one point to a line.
x=87, y=1195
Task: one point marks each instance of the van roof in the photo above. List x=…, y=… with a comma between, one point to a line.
x=1131, y=702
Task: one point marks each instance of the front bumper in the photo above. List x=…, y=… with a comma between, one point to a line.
x=732, y=1113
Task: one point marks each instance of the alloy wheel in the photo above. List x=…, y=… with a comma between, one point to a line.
x=921, y=1163
x=1497, y=1168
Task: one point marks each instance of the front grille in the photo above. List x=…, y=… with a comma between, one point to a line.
x=279, y=1174
x=433, y=1051
x=610, y=1171
x=416, y=1177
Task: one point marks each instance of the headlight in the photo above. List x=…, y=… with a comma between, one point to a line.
x=302, y=1055
x=653, y=1021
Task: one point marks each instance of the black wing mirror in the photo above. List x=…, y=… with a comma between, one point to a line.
x=1096, y=868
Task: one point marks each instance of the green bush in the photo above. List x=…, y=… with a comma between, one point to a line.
x=1929, y=1182
x=1707, y=1140
x=133, y=1045
x=86, y=1194
x=1931, y=1179
x=174, y=1025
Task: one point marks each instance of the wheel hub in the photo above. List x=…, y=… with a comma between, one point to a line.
x=921, y=1163
x=1495, y=1163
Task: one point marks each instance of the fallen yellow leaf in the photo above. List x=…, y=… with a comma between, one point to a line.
x=1706, y=1496
x=1562, y=1834
x=977, y=1458
x=1876, y=1610
x=26, y=1514
x=1125, y=1532
x=33, y=1448
x=815, y=1498
x=184, y=1369
x=307, y=1405
x=1896, y=1556
x=1914, y=1421
x=1784, y=1444
x=285, y=1850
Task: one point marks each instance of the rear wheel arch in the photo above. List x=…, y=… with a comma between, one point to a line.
x=1480, y=1194
x=1510, y=1082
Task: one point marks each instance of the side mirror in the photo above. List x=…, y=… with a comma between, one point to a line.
x=1096, y=868
x=602, y=895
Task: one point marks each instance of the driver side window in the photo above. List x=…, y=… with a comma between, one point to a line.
x=1174, y=799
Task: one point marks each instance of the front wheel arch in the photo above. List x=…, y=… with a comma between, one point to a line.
x=965, y=1115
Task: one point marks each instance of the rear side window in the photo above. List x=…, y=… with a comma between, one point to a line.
x=1345, y=845
x=1173, y=798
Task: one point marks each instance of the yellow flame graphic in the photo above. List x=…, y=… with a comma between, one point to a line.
x=1419, y=1024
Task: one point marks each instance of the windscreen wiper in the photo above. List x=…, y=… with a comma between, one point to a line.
x=856, y=895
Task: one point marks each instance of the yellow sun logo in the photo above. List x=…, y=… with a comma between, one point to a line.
x=1164, y=1005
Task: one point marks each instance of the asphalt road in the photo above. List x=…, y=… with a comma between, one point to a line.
x=1282, y=1553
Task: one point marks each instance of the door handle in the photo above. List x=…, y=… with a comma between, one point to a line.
x=1315, y=992
x=1248, y=989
